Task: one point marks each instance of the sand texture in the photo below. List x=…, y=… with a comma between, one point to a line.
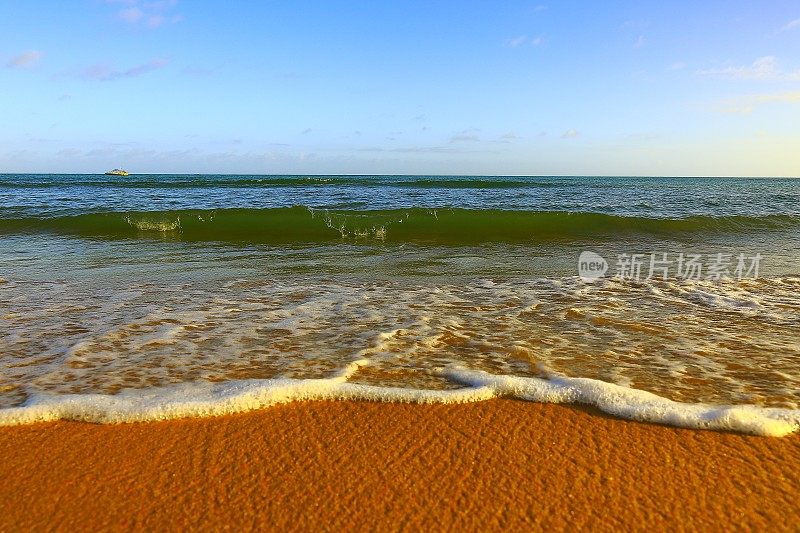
x=341, y=465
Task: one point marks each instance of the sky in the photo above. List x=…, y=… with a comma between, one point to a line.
x=437, y=87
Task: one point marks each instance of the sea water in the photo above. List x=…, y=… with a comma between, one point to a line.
x=155, y=296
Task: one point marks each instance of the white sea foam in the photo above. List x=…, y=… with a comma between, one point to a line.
x=215, y=399
x=163, y=226
x=202, y=399
x=634, y=404
x=62, y=342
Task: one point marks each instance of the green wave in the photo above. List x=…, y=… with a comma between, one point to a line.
x=443, y=226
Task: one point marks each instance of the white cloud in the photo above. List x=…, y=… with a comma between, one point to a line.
x=514, y=42
x=678, y=65
x=105, y=72
x=791, y=25
x=467, y=135
x=154, y=21
x=639, y=42
x=570, y=134
x=747, y=104
x=131, y=15
x=27, y=59
x=152, y=14
x=763, y=69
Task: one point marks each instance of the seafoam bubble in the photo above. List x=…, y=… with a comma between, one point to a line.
x=634, y=404
x=157, y=225
x=215, y=399
x=72, y=339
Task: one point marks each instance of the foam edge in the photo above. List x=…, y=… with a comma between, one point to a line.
x=635, y=404
x=203, y=399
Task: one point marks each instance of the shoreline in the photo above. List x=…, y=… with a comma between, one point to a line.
x=344, y=464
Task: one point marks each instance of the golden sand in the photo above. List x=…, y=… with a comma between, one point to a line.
x=335, y=465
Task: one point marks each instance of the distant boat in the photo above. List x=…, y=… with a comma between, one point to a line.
x=117, y=172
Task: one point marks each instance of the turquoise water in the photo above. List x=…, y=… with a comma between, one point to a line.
x=37, y=195
x=110, y=284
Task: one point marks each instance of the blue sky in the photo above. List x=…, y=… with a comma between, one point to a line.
x=608, y=88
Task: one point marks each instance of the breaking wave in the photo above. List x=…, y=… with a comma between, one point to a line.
x=439, y=226
x=214, y=399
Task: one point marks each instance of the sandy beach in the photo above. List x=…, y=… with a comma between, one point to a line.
x=399, y=266
x=333, y=465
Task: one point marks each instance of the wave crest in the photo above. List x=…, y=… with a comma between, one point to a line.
x=442, y=226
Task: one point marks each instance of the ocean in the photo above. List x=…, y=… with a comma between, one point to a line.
x=145, y=297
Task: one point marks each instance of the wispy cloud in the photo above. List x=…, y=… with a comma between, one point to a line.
x=464, y=137
x=570, y=134
x=148, y=14
x=520, y=40
x=515, y=42
x=26, y=60
x=470, y=135
x=105, y=72
x=791, y=25
x=639, y=42
x=763, y=69
x=131, y=14
x=747, y=104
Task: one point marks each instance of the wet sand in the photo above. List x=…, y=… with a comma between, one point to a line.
x=335, y=465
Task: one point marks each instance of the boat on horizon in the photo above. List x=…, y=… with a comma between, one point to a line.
x=117, y=172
